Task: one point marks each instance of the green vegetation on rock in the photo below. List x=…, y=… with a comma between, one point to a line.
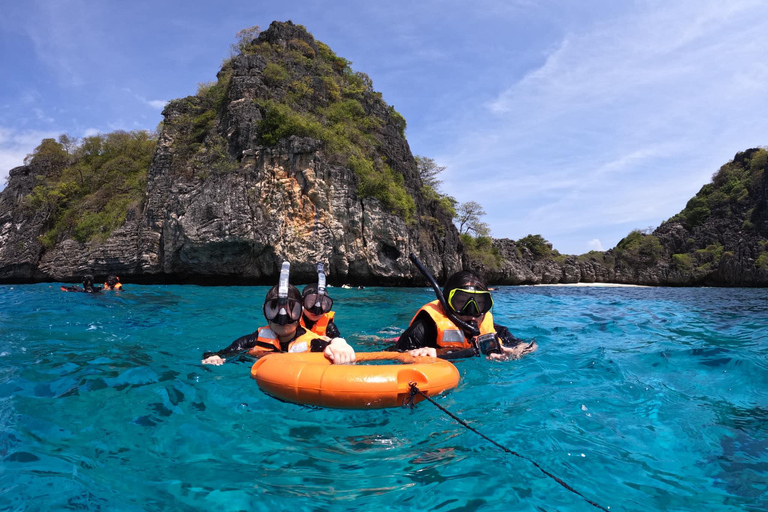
x=312, y=92
x=538, y=245
x=734, y=186
x=638, y=248
x=481, y=250
x=683, y=262
x=199, y=146
x=85, y=191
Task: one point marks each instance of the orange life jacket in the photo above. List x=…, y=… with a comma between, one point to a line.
x=448, y=335
x=321, y=326
x=267, y=341
x=117, y=286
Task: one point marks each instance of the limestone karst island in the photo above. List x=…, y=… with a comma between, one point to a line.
x=292, y=155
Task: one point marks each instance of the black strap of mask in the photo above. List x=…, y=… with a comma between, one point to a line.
x=470, y=329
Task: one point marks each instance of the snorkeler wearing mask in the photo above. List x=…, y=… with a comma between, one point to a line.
x=317, y=316
x=88, y=286
x=432, y=333
x=113, y=283
x=282, y=309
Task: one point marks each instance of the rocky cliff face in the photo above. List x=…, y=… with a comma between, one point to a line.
x=245, y=177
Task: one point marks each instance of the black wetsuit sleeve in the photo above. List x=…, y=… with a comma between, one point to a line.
x=332, y=331
x=506, y=337
x=318, y=345
x=421, y=333
x=241, y=344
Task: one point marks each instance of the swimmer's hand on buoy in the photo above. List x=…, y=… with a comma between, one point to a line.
x=214, y=360
x=339, y=352
x=423, y=352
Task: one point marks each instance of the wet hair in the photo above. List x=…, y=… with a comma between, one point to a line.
x=293, y=293
x=112, y=280
x=311, y=288
x=87, y=280
x=463, y=279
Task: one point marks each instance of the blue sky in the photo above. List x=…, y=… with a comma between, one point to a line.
x=579, y=121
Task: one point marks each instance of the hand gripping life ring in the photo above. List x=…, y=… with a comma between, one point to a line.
x=309, y=378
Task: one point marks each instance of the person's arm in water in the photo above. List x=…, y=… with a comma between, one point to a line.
x=511, y=346
x=238, y=346
x=337, y=349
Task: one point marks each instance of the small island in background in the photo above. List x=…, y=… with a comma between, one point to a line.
x=292, y=155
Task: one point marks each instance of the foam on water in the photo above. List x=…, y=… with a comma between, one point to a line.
x=640, y=398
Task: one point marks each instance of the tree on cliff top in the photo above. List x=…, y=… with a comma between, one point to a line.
x=87, y=189
x=468, y=219
x=430, y=189
x=428, y=171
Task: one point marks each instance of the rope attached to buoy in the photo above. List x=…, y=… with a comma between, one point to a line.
x=408, y=402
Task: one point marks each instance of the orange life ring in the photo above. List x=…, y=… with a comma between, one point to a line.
x=309, y=378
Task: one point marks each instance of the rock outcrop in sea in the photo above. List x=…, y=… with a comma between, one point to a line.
x=289, y=155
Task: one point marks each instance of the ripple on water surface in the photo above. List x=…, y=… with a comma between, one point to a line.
x=640, y=398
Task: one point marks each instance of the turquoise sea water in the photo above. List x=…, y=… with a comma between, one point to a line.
x=639, y=398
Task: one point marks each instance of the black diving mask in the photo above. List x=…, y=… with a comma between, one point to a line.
x=282, y=311
x=318, y=304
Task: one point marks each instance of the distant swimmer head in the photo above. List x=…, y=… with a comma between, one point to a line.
x=112, y=281
x=467, y=294
x=87, y=280
x=314, y=297
x=282, y=304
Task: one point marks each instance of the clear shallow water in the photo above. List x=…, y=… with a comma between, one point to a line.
x=640, y=398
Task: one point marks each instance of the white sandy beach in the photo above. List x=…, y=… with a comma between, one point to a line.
x=602, y=285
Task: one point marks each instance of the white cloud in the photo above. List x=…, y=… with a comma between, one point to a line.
x=16, y=145
x=41, y=116
x=157, y=104
x=595, y=245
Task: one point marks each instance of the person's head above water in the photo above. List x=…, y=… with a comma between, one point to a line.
x=314, y=302
x=467, y=295
x=112, y=280
x=282, y=310
x=87, y=281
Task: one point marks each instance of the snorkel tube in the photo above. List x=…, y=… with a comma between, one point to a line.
x=470, y=329
x=283, y=317
x=282, y=287
x=320, y=279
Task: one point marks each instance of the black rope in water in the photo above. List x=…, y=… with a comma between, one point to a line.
x=408, y=402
